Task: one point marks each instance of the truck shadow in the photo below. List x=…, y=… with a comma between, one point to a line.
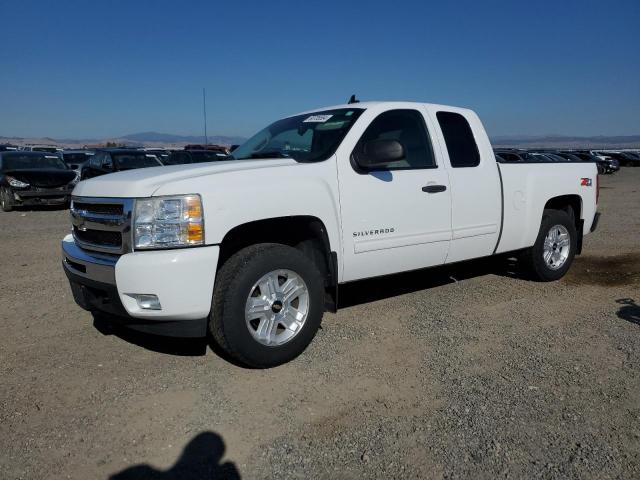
x=200, y=459
x=379, y=288
x=351, y=294
x=185, y=347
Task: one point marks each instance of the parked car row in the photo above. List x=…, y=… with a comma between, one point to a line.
x=46, y=175
x=604, y=162
x=626, y=158
x=109, y=160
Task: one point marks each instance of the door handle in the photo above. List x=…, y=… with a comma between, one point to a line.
x=434, y=188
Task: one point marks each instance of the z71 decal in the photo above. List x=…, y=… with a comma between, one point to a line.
x=586, y=182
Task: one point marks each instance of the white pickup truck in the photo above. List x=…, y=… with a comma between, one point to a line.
x=252, y=250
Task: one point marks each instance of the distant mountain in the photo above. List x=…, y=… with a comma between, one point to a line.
x=568, y=141
x=150, y=139
x=144, y=137
x=168, y=140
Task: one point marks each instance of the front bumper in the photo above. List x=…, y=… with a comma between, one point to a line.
x=54, y=196
x=182, y=279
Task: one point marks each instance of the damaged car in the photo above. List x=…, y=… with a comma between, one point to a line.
x=34, y=178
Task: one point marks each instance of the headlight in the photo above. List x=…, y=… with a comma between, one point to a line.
x=165, y=222
x=14, y=182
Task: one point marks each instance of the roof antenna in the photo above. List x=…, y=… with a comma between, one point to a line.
x=204, y=110
x=353, y=99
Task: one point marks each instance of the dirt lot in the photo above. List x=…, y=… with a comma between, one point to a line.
x=464, y=372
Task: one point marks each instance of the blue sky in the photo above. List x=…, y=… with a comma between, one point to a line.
x=85, y=69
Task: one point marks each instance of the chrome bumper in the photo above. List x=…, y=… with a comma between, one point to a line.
x=96, y=267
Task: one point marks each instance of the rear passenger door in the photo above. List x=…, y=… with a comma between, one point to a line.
x=476, y=190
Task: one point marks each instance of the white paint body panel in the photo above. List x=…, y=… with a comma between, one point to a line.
x=182, y=279
x=527, y=189
x=475, y=194
x=415, y=229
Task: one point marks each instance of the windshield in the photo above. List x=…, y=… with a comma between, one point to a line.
x=183, y=157
x=75, y=157
x=311, y=137
x=44, y=149
x=17, y=161
x=128, y=161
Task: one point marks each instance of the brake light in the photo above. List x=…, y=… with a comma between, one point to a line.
x=597, y=188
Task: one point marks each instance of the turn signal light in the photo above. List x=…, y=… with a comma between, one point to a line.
x=195, y=233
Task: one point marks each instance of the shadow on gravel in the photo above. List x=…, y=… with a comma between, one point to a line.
x=187, y=347
x=630, y=310
x=200, y=459
x=611, y=271
x=350, y=294
x=364, y=291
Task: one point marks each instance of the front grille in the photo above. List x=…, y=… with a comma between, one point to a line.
x=99, y=237
x=100, y=208
x=102, y=224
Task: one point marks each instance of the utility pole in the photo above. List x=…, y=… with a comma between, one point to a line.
x=204, y=111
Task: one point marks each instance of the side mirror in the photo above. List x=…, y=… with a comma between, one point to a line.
x=379, y=153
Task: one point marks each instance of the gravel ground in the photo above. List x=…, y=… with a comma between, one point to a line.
x=465, y=372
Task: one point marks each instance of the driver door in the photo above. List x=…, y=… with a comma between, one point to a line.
x=396, y=216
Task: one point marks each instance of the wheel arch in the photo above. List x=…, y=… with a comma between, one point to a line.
x=304, y=232
x=572, y=205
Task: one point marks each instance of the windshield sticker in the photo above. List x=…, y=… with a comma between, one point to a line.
x=318, y=118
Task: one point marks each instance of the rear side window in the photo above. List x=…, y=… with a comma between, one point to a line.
x=462, y=148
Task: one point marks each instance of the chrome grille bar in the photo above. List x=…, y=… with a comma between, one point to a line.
x=102, y=232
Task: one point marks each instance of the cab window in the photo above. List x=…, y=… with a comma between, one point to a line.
x=407, y=127
x=462, y=148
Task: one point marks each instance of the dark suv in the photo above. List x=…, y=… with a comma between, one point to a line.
x=75, y=159
x=604, y=165
x=626, y=159
x=116, y=160
x=511, y=155
x=181, y=157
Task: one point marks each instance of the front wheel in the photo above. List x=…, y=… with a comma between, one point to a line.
x=5, y=200
x=268, y=303
x=551, y=256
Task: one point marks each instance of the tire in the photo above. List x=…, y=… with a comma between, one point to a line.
x=534, y=260
x=236, y=286
x=5, y=201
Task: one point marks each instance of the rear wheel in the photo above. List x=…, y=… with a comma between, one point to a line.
x=551, y=256
x=6, y=201
x=268, y=303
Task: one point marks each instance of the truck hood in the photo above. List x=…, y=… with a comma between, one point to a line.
x=144, y=182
